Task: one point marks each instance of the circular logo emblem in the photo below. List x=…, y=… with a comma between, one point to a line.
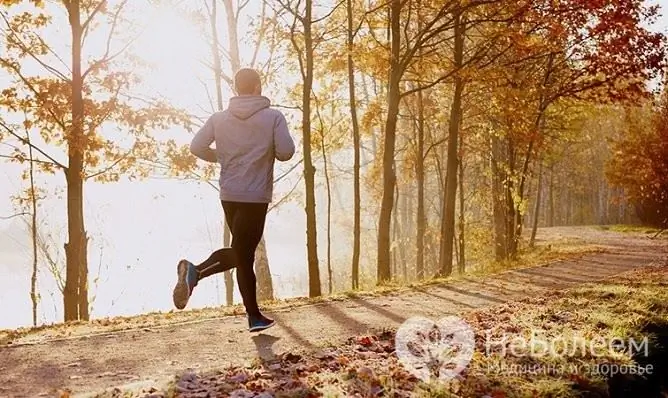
x=434, y=351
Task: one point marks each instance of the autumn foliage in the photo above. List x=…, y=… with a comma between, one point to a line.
x=640, y=161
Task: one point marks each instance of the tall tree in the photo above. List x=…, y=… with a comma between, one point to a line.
x=304, y=47
x=389, y=177
x=218, y=80
x=448, y=213
x=62, y=108
x=356, y=147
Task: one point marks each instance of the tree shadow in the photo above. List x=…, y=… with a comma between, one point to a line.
x=503, y=290
x=292, y=332
x=380, y=310
x=481, y=296
x=550, y=274
x=429, y=292
x=337, y=315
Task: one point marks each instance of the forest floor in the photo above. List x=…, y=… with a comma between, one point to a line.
x=211, y=350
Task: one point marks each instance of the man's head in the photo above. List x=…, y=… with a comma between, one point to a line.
x=247, y=82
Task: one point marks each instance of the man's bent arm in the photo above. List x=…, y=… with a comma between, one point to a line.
x=284, y=146
x=201, y=143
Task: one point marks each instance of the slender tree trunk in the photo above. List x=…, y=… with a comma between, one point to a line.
x=309, y=170
x=394, y=246
x=448, y=217
x=408, y=225
x=218, y=78
x=232, y=35
x=402, y=227
x=419, y=176
x=389, y=178
x=75, y=298
x=229, y=281
x=33, y=229
x=461, y=262
x=440, y=176
x=536, y=210
x=498, y=200
x=329, y=215
x=356, y=147
x=265, y=288
x=550, y=218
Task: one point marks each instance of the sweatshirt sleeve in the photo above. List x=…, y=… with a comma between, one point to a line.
x=284, y=146
x=201, y=143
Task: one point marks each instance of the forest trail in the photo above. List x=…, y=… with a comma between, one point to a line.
x=151, y=356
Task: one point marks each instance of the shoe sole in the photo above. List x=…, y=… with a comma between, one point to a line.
x=181, y=291
x=261, y=328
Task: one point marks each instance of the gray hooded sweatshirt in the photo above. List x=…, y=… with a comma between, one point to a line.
x=249, y=135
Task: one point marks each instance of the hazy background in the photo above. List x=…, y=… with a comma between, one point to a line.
x=139, y=230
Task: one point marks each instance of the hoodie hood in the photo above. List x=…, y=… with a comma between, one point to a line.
x=245, y=106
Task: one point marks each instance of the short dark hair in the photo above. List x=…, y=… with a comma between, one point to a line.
x=246, y=80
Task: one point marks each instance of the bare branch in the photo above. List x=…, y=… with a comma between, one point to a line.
x=33, y=161
x=108, y=56
x=14, y=215
x=241, y=6
x=32, y=55
x=261, y=33
x=282, y=176
x=286, y=7
x=328, y=14
x=97, y=9
x=285, y=197
x=26, y=142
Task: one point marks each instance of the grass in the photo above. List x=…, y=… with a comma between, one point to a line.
x=626, y=228
x=554, y=251
x=634, y=306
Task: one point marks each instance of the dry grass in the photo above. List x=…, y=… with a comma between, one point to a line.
x=634, y=306
x=554, y=251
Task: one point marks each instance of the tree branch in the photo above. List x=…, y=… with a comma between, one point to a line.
x=108, y=168
x=14, y=215
x=328, y=14
x=32, y=55
x=26, y=142
x=97, y=9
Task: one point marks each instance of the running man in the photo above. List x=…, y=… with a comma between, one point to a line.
x=249, y=136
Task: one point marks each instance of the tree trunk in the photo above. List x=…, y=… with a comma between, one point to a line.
x=440, y=177
x=448, y=217
x=232, y=35
x=329, y=215
x=33, y=229
x=389, y=178
x=402, y=227
x=550, y=218
x=218, y=79
x=309, y=170
x=229, y=281
x=419, y=176
x=75, y=297
x=461, y=262
x=265, y=287
x=356, y=147
x=394, y=245
x=498, y=200
x=536, y=210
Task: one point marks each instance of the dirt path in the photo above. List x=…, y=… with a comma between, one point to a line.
x=142, y=357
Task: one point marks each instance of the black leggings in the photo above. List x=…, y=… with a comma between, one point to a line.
x=246, y=222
